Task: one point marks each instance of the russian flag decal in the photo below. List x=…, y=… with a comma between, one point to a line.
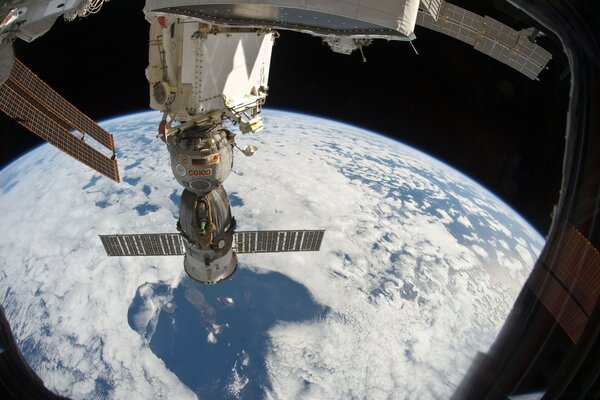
x=208, y=160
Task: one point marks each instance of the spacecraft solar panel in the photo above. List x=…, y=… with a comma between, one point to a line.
x=278, y=241
x=569, y=285
x=512, y=48
x=433, y=7
x=32, y=103
x=23, y=108
x=489, y=36
x=496, y=40
x=152, y=244
x=453, y=21
x=45, y=95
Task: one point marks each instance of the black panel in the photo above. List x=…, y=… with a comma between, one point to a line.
x=278, y=241
x=156, y=244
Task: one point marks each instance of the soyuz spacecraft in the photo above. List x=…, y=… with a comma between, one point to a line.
x=208, y=70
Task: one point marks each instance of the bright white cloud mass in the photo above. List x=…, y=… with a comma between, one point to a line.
x=414, y=268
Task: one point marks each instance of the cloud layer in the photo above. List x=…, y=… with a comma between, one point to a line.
x=419, y=265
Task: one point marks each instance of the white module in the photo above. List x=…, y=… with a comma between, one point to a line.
x=197, y=70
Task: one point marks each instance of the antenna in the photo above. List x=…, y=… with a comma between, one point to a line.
x=413, y=47
x=248, y=151
x=32, y=103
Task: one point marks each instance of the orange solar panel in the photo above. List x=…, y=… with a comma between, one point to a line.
x=37, y=88
x=569, y=285
x=31, y=102
x=558, y=301
x=26, y=112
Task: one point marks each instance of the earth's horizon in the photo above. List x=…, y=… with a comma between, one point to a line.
x=419, y=267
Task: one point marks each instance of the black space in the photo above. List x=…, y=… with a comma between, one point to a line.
x=454, y=103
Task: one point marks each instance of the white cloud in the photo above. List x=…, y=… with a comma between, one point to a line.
x=65, y=298
x=211, y=337
x=465, y=221
x=411, y=301
x=458, y=315
x=446, y=218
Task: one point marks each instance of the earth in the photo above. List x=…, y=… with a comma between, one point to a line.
x=418, y=270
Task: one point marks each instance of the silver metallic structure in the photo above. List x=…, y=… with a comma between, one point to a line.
x=208, y=239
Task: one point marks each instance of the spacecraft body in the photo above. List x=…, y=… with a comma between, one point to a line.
x=320, y=18
x=344, y=25
x=201, y=157
x=201, y=73
x=207, y=229
x=209, y=62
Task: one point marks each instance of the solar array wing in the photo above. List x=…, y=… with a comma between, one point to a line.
x=33, y=104
x=453, y=21
x=23, y=109
x=512, y=48
x=499, y=41
x=278, y=241
x=433, y=7
x=568, y=283
x=55, y=102
x=150, y=244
